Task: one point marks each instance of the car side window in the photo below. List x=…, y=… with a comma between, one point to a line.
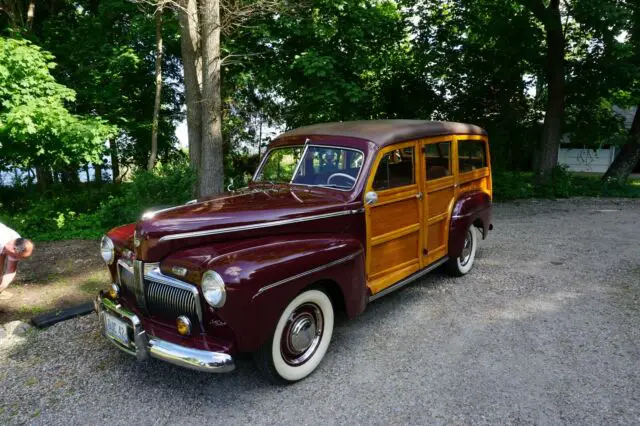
x=471, y=155
x=395, y=169
x=436, y=160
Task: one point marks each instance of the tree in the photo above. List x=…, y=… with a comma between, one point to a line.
x=550, y=18
x=629, y=155
x=158, y=97
x=36, y=129
x=105, y=53
x=202, y=23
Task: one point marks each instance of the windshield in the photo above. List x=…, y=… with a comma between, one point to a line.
x=312, y=165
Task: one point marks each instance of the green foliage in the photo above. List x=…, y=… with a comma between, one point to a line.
x=87, y=211
x=106, y=54
x=167, y=185
x=36, y=128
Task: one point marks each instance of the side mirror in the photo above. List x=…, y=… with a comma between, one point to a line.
x=370, y=198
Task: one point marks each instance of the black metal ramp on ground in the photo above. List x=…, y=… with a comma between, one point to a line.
x=49, y=318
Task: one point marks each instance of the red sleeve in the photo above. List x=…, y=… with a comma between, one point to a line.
x=10, y=266
x=7, y=265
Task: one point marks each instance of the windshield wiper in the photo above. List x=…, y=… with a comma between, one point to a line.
x=333, y=185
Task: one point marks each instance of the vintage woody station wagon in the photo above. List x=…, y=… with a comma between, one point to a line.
x=336, y=216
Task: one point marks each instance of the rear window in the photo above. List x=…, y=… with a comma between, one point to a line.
x=437, y=160
x=471, y=155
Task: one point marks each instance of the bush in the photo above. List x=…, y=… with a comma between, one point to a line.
x=87, y=211
x=167, y=185
x=514, y=185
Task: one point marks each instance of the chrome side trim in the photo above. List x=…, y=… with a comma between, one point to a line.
x=138, y=279
x=258, y=225
x=159, y=277
x=126, y=265
x=309, y=272
x=409, y=279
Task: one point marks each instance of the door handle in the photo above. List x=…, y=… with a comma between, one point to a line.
x=419, y=195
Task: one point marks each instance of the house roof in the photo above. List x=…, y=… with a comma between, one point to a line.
x=386, y=132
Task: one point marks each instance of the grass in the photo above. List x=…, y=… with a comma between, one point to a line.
x=31, y=311
x=94, y=283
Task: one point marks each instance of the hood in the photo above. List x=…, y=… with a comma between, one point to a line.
x=259, y=204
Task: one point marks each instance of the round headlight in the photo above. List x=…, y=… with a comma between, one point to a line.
x=213, y=289
x=106, y=250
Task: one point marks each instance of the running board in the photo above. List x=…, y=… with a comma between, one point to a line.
x=408, y=280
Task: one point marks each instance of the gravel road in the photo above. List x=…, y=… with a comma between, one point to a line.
x=545, y=330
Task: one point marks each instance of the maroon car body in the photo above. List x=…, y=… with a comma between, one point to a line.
x=268, y=242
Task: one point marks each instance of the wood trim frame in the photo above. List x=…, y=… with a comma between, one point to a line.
x=420, y=185
x=394, y=195
x=465, y=177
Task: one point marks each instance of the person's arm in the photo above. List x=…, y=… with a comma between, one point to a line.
x=8, y=267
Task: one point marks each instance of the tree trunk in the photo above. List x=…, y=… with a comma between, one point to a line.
x=629, y=155
x=192, y=68
x=156, y=105
x=115, y=161
x=31, y=12
x=97, y=168
x=211, y=173
x=43, y=175
x=552, y=126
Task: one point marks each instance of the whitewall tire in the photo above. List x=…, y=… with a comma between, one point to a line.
x=300, y=340
x=462, y=264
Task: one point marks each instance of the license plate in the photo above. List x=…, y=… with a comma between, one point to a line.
x=116, y=329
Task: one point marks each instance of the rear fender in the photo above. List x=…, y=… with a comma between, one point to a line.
x=471, y=208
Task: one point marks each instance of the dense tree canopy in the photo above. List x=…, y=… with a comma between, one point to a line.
x=282, y=64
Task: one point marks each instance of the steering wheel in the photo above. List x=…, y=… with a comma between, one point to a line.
x=344, y=175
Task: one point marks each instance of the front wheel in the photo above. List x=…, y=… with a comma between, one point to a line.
x=462, y=264
x=300, y=340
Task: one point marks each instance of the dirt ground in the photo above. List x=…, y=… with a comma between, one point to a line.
x=58, y=275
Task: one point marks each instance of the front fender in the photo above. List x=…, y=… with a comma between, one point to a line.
x=471, y=208
x=263, y=275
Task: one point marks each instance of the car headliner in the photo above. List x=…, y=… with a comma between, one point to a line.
x=385, y=132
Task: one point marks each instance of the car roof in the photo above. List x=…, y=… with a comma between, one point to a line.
x=386, y=132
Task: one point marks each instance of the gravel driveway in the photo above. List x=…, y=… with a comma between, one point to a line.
x=545, y=329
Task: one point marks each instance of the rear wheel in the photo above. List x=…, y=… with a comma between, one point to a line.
x=300, y=340
x=462, y=264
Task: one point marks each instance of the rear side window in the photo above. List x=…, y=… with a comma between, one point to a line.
x=395, y=169
x=471, y=155
x=437, y=160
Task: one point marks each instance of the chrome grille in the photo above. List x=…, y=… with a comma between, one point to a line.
x=167, y=301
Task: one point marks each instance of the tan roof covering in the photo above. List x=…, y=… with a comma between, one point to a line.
x=385, y=132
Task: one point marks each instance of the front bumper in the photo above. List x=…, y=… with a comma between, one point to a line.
x=143, y=345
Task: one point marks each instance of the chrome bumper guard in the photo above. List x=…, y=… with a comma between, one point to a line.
x=143, y=345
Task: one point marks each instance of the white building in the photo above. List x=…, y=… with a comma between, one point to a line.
x=589, y=160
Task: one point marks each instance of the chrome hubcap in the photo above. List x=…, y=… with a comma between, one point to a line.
x=466, y=249
x=302, y=333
